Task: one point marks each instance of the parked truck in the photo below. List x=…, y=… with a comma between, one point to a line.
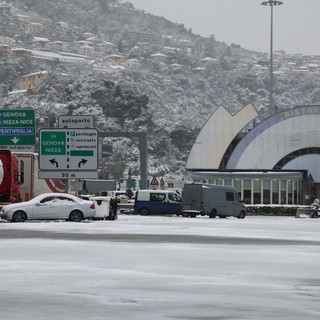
x=211, y=200
x=9, y=178
x=19, y=178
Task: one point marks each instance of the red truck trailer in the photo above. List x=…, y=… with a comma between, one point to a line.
x=19, y=178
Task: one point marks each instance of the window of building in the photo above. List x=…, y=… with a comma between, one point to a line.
x=290, y=192
x=247, y=191
x=256, y=191
x=237, y=184
x=283, y=191
x=296, y=194
x=275, y=191
x=266, y=191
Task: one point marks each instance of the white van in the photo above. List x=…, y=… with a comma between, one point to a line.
x=157, y=202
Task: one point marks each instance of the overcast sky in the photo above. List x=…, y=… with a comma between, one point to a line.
x=246, y=22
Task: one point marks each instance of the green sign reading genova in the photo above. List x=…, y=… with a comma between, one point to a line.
x=17, y=127
x=53, y=143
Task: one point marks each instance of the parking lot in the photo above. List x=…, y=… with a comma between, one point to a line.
x=161, y=268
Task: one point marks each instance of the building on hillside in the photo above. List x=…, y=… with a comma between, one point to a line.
x=116, y=59
x=88, y=35
x=63, y=25
x=159, y=57
x=208, y=60
x=6, y=52
x=276, y=161
x=83, y=43
x=5, y=9
x=7, y=40
x=40, y=42
x=132, y=64
x=57, y=45
x=21, y=53
x=22, y=18
x=62, y=57
x=114, y=70
x=142, y=36
x=104, y=46
x=30, y=80
x=34, y=28
x=86, y=50
x=23, y=92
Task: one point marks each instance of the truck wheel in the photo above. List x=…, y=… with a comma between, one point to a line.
x=144, y=211
x=241, y=215
x=75, y=216
x=19, y=216
x=213, y=214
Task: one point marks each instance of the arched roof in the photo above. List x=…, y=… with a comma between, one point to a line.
x=216, y=135
x=276, y=137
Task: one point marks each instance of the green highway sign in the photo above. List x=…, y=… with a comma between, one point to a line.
x=66, y=150
x=17, y=127
x=53, y=143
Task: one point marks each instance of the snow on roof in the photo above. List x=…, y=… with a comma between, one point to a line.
x=35, y=73
x=40, y=39
x=208, y=59
x=158, y=55
x=18, y=91
x=199, y=69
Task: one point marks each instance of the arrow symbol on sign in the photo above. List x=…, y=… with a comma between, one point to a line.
x=15, y=140
x=54, y=162
x=83, y=161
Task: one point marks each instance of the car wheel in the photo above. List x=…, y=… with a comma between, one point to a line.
x=144, y=211
x=19, y=216
x=213, y=214
x=75, y=216
x=242, y=215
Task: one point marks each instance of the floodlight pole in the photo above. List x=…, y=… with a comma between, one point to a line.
x=271, y=3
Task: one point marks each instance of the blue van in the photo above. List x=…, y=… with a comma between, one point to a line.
x=157, y=202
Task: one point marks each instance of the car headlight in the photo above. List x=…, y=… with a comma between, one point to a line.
x=3, y=215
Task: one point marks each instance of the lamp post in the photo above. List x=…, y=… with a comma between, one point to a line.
x=271, y=3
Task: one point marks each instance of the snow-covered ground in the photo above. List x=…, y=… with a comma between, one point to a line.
x=225, y=276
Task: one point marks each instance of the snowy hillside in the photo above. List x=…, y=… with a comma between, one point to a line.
x=171, y=100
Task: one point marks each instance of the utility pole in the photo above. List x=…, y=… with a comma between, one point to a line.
x=271, y=3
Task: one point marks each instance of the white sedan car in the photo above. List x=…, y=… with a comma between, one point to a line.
x=49, y=206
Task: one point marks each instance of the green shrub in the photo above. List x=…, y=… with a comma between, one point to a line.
x=260, y=210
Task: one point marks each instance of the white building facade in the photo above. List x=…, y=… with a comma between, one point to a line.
x=275, y=162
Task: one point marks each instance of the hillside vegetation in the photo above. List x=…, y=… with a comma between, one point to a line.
x=171, y=102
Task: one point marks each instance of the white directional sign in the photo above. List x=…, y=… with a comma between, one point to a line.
x=68, y=149
x=78, y=121
x=68, y=175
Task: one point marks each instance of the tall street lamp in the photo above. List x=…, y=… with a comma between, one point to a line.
x=271, y=3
